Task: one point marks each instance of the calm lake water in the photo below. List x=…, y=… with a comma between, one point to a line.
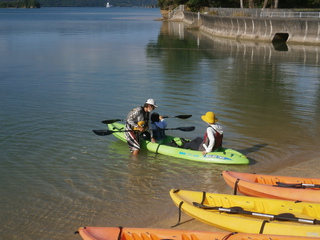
x=64, y=70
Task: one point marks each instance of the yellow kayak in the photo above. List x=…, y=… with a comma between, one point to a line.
x=119, y=233
x=250, y=214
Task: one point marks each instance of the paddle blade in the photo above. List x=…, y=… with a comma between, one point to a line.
x=183, y=116
x=186, y=129
x=111, y=121
x=102, y=132
x=178, y=116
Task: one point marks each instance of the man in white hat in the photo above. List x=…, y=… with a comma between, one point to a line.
x=138, y=122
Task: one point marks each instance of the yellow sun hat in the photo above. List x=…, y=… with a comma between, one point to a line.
x=210, y=117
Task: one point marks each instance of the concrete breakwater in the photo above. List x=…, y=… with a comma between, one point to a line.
x=289, y=29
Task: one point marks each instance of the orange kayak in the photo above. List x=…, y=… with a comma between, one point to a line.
x=278, y=187
x=118, y=233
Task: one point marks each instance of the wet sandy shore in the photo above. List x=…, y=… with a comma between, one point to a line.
x=309, y=168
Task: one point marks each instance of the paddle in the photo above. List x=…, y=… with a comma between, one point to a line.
x=179, y=116
x=109, y=132
x=184, y=129
x=279, y=217
x=297, y=185
x=118, y=120
x=111, y=121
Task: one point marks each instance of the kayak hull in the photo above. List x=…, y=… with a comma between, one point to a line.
x=244, y=222
x=115, y=233
x=259, y=185
x=221, y=156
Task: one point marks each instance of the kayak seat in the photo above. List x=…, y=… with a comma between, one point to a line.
x=126, y=236
x=144, y=236
x=267, y=181
x=136, y=236
x=311, y=212
x=194, y=237
x=153, y=237
x=185, y=237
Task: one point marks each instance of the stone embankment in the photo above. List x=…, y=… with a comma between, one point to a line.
x=287, y=27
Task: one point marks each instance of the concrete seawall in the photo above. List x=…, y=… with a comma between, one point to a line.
x=290, y=30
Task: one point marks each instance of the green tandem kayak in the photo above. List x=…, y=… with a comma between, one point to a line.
x=220, y=156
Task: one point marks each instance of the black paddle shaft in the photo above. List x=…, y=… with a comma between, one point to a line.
x=109, y=132
x=119, y=120
x=297, y=185
x=179, y=116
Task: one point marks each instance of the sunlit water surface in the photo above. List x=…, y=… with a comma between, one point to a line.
x=63, y=70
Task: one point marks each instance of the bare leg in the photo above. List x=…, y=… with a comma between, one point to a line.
x=135, y=152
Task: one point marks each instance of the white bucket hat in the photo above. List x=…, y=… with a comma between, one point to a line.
x=152, y=102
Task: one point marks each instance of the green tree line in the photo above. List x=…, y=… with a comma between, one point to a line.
x=196, y=5
x=20, y=4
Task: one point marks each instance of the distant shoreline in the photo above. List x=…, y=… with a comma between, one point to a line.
x=19, y=4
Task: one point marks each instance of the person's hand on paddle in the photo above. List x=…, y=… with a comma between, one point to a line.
x=140, y=129
x=140, y=126
x=153, y=140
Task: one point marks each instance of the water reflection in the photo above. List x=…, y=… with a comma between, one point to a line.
x=280, y=46
x=171, y=32
x=265, y=93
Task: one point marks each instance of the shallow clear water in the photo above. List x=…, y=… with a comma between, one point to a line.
x=64, y=70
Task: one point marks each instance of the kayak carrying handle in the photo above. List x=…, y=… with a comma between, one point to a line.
x=262, y=226
x=203, y=197
x=235, y=189
x=179, y=219
x=120, y=233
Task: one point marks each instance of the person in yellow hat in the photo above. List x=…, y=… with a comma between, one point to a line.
x=138, y=122
x=213, y=136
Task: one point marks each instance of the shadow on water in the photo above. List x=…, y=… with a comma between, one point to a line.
x=254, y=148
x=252, y=161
